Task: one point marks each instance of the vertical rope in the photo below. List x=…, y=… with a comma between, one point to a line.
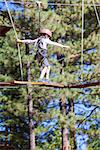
x=39, y=9
x=82, y=40
x=19, y=54
x=96, y=12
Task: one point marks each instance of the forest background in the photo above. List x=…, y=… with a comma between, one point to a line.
x=53, y=109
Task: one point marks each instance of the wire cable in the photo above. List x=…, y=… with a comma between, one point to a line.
x=55, y=4
x=39, y=3
x=19, y=54
x=82, y=40
x=96, y=12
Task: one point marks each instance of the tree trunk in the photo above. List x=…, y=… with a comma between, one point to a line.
x=65, y=141
x=73, y=130
x=30, y=111
x=6, y=136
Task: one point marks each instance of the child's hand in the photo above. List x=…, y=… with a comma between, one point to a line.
x=66, y=47
x=19, y=41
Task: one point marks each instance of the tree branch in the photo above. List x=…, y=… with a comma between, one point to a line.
x=88, y=115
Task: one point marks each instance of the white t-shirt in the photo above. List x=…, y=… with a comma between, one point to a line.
x=42, y=42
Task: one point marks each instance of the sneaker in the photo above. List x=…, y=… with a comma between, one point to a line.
x=41, y=80
x=47, y=80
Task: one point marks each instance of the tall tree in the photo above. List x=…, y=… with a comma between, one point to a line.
x=66, y=29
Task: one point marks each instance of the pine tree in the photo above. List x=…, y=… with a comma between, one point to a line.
x=67, y=29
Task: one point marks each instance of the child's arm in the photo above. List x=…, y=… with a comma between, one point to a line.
x=57, y=44
x=28, y=41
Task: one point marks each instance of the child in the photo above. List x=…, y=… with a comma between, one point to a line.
x=41, y=43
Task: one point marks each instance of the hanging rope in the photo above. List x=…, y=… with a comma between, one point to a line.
x=39, y=3
x=19, y=54
x=82, y=40
x=96, y=12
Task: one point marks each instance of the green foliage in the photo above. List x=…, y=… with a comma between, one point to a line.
x=64, y=22
x=94, y=145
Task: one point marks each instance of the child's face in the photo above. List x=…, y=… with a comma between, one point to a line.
x=47, y=36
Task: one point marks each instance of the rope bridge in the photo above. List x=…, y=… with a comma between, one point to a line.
x=51, y=84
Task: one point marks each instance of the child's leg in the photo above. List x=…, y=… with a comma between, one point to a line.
x=47, y=72
x=46, y=69
x=43, y=72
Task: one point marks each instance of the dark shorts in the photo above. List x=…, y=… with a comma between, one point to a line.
x=41, y=57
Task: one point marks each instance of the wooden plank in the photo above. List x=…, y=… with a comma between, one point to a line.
x=7, y=84
x=52, y=84
x=83, y=85
x=59, y=85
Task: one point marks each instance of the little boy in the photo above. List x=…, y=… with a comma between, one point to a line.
x=41, y=43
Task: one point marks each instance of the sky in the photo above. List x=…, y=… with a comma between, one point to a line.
x=11, y=5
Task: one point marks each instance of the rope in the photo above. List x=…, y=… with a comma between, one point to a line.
x=96, y=12
x=59, y=4
x=19, y=54
x=82, y=40
x=39, y=7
